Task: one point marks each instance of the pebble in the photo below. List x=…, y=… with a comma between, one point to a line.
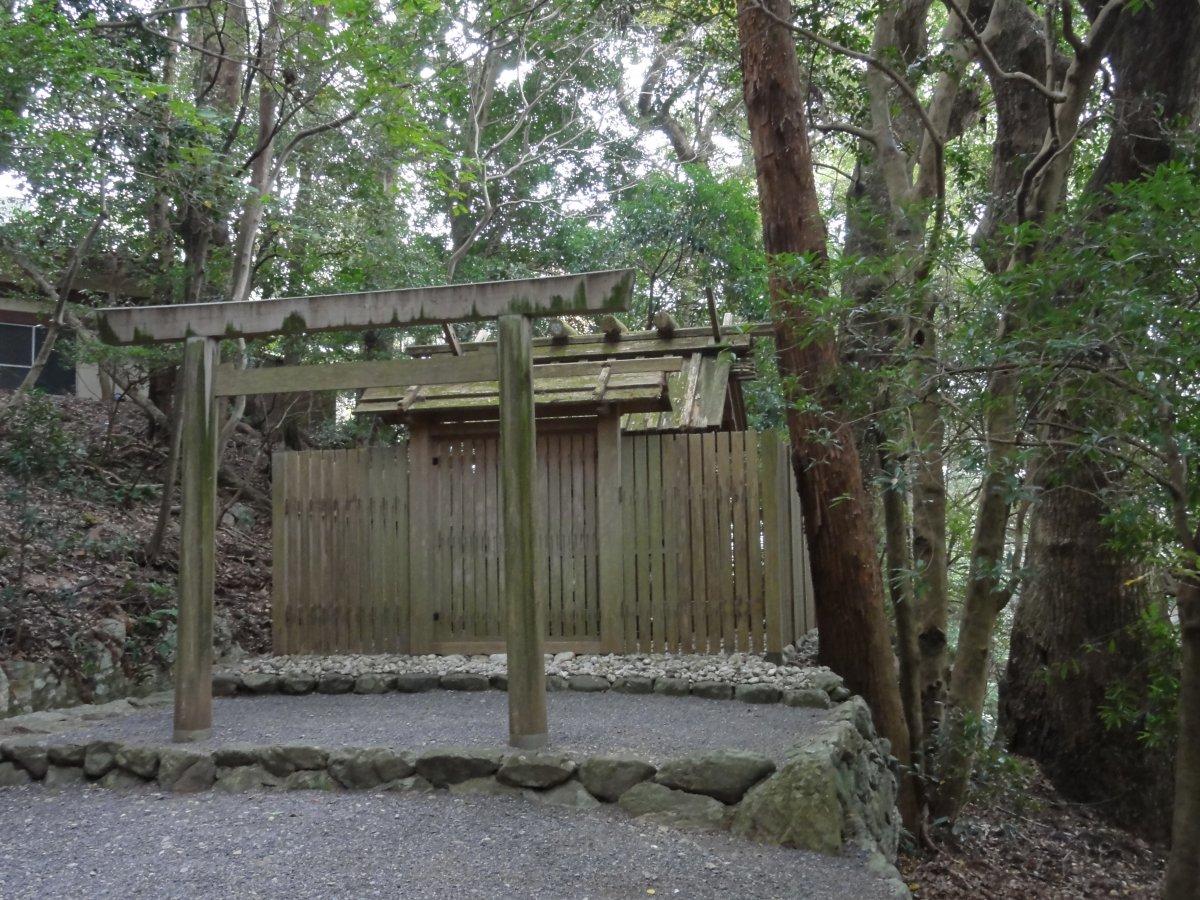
x=797, y=672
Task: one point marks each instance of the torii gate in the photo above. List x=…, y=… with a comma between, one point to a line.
x=202, y=326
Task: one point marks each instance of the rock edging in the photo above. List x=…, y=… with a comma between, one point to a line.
x=232, y=683
x=834, y=789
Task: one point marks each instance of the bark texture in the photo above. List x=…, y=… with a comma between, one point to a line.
x=1183, y=869
x=846, y=576
x=1074, y=635
x=1077, y=594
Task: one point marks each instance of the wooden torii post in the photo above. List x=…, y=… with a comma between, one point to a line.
x=201, y=326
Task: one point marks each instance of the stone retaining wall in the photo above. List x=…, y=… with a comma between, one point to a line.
x=834, y=788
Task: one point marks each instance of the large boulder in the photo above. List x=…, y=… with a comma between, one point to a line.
x=374, y=683
x=226, y=684
x=309, y=780
x=359, y=769
x=58, y=776
x=808, y=698
x=633, y=684
x=12, y=775
x=536, y=770
x=588, y=684
x=245, y=778
x=464, y=681
x=416, y=682
x=657, y=803
x=835, y=788
x=66, y=754
x=121, y=780
x=450, y=765
x=283, y=761
x=724, y=775
x=100, y=757
x=757, y=693
x=672, y=687
x=608, y=777
x=33, y=758
x=260, y=682
x=335, y=683
x=185, y=771
x=231, y=756
x=140, y=761
x=296, y=683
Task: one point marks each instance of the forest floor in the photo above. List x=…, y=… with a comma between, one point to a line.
x=1023, y=840
x=70, y=558
x=71, y=544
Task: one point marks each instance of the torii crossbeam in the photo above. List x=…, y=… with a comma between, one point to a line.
x=203, y=325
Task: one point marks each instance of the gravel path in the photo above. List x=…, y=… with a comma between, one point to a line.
x=654, y=726
x=100, y=843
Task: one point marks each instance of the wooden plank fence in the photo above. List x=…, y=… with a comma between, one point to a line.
x=700, y=537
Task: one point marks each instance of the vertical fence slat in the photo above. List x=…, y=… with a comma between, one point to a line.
x=654, y=502
x=753, y=553
x=610, y=534
x=741, y=568
x=696, y=540
x=629, y=541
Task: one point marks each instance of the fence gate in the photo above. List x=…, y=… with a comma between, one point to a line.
x=711, y=547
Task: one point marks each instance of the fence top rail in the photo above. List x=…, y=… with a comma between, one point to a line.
x=589, y=293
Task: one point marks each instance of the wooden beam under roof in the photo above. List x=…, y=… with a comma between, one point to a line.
x=737, y=344
x=589, y=293
x=642, y=390
x=691, y=339
x=395, y=373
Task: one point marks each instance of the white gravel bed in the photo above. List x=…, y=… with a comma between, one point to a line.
x=734, y=668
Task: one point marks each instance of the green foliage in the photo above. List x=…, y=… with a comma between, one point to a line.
x=1151, y=704
x=34, y=446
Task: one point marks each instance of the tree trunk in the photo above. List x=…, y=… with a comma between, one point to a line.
x=1075, y=635
x=1183, y=868
x=1077, y=594
x=846, y=578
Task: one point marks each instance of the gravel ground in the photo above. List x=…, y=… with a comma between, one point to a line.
x=654, y=726
x=95, y=843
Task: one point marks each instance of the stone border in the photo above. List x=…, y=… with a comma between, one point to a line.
x=835, y=789
x=231, y=683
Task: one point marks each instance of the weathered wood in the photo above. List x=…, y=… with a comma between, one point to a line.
x=346, y=376
x=712, y=312
x=665, y=324
x=197, y=545
x=279, y=548
x=742, y=334
x=561, y=332
x=773, y=484
x=696, y=535
x=590, y=346
x=421, y=483
x=609, y=531
x=612, y=328
x=654, y=567
x=527, y=728
x=583, y=294
x=654, y=540
x=753, y=553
